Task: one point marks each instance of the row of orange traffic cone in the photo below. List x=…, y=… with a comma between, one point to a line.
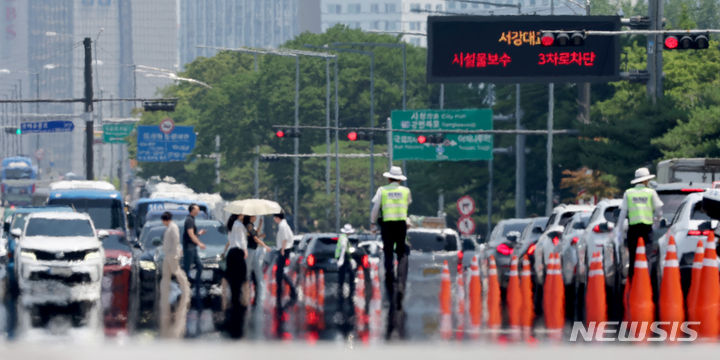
x=520, y=303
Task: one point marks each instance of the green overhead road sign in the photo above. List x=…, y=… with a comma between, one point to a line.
x=454, y=147
x=116, y=133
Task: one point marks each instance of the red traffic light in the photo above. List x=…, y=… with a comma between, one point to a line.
x=352, y=136
x=421, y=139
x=547, y=39
x=671, y=42
x=280, y=134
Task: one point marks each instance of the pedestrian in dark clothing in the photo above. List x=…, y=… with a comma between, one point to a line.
x=191, y=242
x=236, y=274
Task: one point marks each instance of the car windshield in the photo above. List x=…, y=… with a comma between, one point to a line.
x=671, y=202
x=426, y=241
x=324, y=245
x=215, y=234
x=519, y=227
x=468, y=245
x=59, y=227
x=18, y=174
x=115, y=242
x=105, y=213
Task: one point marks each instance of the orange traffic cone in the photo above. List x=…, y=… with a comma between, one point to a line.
x=321, y=299
x=595, y=299
x=671, y=296
x=475, y=299
x=375, y=311
x=514, y=298
x=493, y=302
x=695, y=286
x=527, y=311
x=642, y=308
x=445, y=304
x=461, y=313
x=361, y=318
x=708, y=306
x=554, y=296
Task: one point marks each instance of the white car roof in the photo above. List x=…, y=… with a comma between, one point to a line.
x=81, y=184
x=67, y=215
x=573, y=207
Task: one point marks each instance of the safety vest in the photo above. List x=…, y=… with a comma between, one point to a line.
x=640, y=205
x=394, y=202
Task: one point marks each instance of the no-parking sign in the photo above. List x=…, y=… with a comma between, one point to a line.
x=466, y=206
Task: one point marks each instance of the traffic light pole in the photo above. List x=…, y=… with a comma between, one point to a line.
x=87, y=43
x=654, y=51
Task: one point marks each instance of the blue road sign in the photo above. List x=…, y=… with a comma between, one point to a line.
x=47, y=126
x=155, y=146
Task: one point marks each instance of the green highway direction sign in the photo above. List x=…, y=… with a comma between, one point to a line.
x=115, y=133
x=456, y=147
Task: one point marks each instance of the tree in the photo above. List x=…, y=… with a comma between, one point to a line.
x=589, y=185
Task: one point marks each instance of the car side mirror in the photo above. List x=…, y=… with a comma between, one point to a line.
x=16, y=233
x=102, y=234
x=664, y=223
x=156, y=241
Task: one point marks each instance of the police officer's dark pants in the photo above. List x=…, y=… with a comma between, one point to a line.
x=345, y=274
x=190, y=258
x=634, y=233
x=236, y=275
x=393, y=235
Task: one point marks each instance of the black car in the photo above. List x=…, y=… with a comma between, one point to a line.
x=150, y=264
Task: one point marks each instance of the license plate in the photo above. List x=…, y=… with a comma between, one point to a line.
x=431, y=271
x=60, y=271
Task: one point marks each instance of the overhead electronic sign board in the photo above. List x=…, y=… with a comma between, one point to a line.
x=514, y=49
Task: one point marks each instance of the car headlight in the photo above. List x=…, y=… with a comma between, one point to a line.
x=28, y=254
x=147, y=265
x=92, y=255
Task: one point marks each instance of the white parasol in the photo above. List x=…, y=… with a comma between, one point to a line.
x=253, y=207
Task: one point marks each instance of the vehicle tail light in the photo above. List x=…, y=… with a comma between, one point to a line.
x=504, y=249
x=366, y=262
x=334, y=239
x=575, y=240
x=694, y=233
x=311, y=260
x=287, y=261
x=555, y=240
x=531, y=249
x=691, y=190
x=460, y=256
x=596, y=229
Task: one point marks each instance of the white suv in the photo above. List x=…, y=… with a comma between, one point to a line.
x=59, y=265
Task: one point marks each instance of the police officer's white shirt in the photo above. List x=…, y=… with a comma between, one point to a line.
x=377, y=201
x=284, y=234
x=238, y=236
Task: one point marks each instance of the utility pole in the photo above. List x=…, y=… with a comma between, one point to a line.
x=217, y=160
x=654, y=51
x=519, y=159
x=87, y=43
x=549, y=183
x=296, y=147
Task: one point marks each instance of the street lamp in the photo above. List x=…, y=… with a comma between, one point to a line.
x=372, y=107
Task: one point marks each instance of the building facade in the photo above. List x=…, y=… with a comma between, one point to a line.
x=409, y=17
x=205, y=24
